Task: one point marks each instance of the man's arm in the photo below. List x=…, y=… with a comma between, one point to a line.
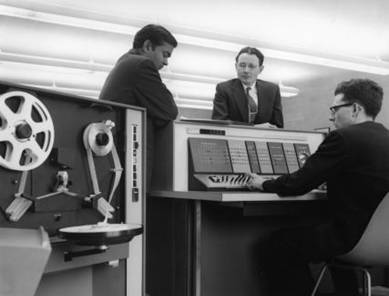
x=151, y=93
x=220, y=105
x=326, y=162
x=277, y=118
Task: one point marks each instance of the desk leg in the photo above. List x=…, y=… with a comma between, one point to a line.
x=197, y=250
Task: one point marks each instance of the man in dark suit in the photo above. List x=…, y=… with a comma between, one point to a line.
x=246, y=98
x=354, y=162
x=135, y=80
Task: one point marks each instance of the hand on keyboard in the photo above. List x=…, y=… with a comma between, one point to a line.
x=255, y=182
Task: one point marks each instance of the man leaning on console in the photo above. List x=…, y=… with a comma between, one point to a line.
x=246, y=98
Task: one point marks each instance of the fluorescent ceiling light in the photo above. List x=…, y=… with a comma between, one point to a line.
x=70, y=90
x=186, y=85
x=59, y=19
x=328, y=60
x=168, y=74
x=206, y=85
x=335, y=61
x=186, y=102
x=288, y=91
x=56, y=62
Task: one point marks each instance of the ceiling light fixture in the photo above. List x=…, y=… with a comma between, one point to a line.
x=107, y=25
x=288, y=91
x=187, y=81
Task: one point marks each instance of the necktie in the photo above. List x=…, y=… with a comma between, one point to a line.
x=252, y=106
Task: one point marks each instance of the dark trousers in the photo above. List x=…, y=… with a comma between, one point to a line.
x=284, y=258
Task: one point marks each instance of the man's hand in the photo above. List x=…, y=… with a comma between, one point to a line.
x=255, y=182
x=265, y=125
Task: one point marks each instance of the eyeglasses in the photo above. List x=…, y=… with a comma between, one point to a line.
x=335, y=108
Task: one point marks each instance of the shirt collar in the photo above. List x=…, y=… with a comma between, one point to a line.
x=253, y=86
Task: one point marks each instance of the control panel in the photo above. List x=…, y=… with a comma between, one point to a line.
x=219, y=163
x=208, y=155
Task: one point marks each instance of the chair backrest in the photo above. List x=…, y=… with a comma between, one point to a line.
x=373, y=247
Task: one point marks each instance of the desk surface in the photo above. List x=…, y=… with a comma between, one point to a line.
x=231, y=196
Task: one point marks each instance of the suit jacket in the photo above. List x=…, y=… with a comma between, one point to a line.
x=354, y=161
x=230, y=102
x=135, y=80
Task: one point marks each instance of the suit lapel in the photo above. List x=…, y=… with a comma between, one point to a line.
x=240, y=99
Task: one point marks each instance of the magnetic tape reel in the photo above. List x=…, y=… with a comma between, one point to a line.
x=98, y=137
x=26, y=131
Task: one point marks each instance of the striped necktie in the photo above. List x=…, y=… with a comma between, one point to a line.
x=252, y=106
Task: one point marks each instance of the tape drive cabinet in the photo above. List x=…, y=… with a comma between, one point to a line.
x=75, y=167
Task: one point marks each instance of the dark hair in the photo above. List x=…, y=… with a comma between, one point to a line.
x=156, y=34
x=363, y=91
x=251, y=50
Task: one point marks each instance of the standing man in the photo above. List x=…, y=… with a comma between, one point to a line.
x=135, y=80
x=354, y=161
x=246, y=98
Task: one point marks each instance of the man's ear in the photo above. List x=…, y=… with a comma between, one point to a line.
x=261, y=67
x=354, y=111
x=147, y=46
x=357, y=107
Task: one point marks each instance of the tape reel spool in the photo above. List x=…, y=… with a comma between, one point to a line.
x=98, y=137
x=26, y=131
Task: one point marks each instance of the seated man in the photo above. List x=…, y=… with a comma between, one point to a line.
x=248, y=99
x=354, y=162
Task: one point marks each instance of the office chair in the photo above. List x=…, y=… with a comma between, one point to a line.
x=371, y=250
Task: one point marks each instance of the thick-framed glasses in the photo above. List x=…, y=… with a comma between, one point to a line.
x=335, y=108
